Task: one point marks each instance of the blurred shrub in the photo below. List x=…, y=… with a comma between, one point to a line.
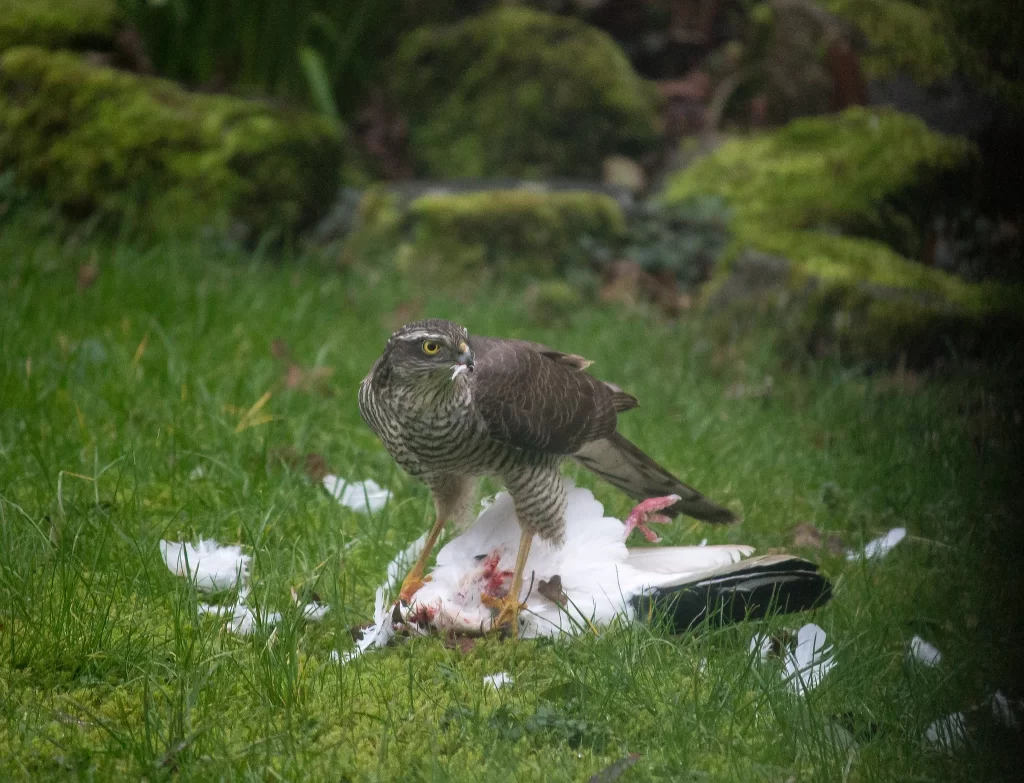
x=520, y=92
x=516, y=232
x=794, y=191
x=930, y=39
x=553, y=301
x=990, y=37
x=902, y=36
x=683, y=239
x=850, y=171
x=57, y=23
x=142, y=151
x=311, y=50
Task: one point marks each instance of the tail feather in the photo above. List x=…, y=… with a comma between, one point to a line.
x=623, y=465
x=750, y=589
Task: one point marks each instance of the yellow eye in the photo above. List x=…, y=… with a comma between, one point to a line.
x=430, y=347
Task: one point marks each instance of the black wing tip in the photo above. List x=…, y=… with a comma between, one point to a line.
x=737, y=598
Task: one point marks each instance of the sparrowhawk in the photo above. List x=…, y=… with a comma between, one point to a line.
x=451, y=407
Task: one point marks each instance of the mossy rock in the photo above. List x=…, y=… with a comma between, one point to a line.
x=142, y=151
x=931, y=40
x=902, y=36
x=794, y=191
x=837, y=171
x=516, y=231
x=827, y=310
x=58, y=23
x=522, y=93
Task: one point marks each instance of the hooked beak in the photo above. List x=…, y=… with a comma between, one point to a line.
x=465, y=356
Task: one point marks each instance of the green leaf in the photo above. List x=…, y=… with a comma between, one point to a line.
x=319, y=83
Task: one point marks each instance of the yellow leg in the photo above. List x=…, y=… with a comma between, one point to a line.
x=509, y=606
x=414, y=580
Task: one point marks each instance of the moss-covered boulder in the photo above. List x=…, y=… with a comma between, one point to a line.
x=931, y=40
x=902, y=36
x=900, y=313
x=844, y=171
x=58, y=23
x=519, y=92
x=520, y=231
x=141, y=150
x=820, y=193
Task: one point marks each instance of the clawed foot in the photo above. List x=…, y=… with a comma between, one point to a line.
x=411, y=586
x=508, y=612
x=643, y=514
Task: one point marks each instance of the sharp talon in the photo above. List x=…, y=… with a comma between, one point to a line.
x=508, y=609
x=644, y=513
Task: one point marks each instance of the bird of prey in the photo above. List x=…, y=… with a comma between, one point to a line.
x=450, y=407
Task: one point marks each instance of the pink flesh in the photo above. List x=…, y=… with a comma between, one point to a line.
x=493, y=578
x=423, y=615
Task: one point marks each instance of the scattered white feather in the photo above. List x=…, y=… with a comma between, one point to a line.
x=383, y=629
x=1005, y=711
x=208, y=564
x=215, y=567
x=925, y=652
x=313, y=611
x=806, y=658
x=378, y=634
x=880, y=546
x=198, y=473
x=761, y=644
x=844, y=742
x=499, y=680
x=242, y=620
x=403, y=561
x=365, y=495
x=806, y=666
x=947, y=732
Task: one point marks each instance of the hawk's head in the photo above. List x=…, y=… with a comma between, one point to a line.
x=432, y=349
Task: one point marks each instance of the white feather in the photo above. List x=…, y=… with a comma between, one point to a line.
x=807, y=665
x=208, y=564
x=378, y=634
x=925, y=652
x=242, y=620
x=1005, y=711
x=881, y=546
x=948, y=732
x=403, y=561
x=499, y=680
x=367, y=496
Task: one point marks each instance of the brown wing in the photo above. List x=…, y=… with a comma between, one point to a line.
x=534, y=398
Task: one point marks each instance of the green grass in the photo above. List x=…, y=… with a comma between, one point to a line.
x=111, y=396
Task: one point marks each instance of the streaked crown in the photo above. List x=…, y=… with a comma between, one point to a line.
x=425, y=349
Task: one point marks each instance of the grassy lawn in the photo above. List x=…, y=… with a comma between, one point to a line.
x=113, y=394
